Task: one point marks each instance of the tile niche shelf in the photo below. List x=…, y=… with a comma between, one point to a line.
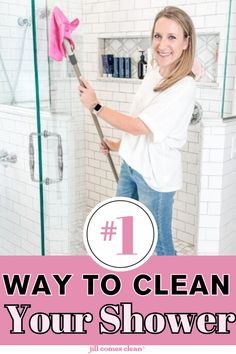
x=123, y=47
x=129, y=46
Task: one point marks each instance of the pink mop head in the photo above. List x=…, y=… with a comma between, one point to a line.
x=60, y=29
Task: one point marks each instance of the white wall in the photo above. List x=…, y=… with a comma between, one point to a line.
x=217, y=212
x=228, y=207
x=17, y=53
x=19, y=195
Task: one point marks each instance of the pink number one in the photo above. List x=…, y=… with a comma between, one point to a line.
x=127, y=235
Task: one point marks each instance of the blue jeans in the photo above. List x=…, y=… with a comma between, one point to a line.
x=132, y=185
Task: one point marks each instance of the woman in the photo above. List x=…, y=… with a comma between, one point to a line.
x=156, y=129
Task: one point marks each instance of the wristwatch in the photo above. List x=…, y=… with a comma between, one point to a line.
x=96, y=108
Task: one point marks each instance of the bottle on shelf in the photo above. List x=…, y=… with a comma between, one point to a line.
x=122, y=67
x=107, y=65
x=142, y=65
x=128, y=72
x=116, y=72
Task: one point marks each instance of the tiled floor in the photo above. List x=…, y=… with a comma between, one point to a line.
x=184, y=248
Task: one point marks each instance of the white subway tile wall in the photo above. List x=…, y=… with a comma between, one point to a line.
x=64, y=202
x=16, y=48
x=19, y=197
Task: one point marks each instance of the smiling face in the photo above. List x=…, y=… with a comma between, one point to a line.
x=168, y=43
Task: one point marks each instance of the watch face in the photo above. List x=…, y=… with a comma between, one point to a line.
x=97, y=107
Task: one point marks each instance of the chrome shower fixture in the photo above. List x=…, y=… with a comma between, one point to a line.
x=6, y=158
x=197, y=114
x=24, y=21
x=43, y=13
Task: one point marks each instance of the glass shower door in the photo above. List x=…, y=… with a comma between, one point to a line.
x=61, y=130
x=20, y=211
x=228, y=109
x=42, y=159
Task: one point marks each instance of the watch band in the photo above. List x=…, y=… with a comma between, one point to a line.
x=96, y=108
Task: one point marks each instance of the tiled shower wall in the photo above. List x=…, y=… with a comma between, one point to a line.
x=228, y=207
x=19, y=195
x=123, y=18
x=13, y=47
x=217, y=212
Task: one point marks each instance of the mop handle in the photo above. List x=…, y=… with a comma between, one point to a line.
x=74, y=63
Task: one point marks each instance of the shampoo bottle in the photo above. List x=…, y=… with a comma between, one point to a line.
x=142, y=64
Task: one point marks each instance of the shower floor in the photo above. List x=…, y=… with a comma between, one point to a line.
x=184, y=248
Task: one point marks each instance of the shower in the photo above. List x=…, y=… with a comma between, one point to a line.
x=10, y=72
x=22, y=22
x=43, y=13
x=42, y=159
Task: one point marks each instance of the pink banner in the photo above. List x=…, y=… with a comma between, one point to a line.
x=73, y=301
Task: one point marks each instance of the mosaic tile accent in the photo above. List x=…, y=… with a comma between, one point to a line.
x=207, y=52
x=207, y=55
x=127, y=47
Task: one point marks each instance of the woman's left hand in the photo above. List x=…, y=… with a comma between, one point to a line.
x=87, y=94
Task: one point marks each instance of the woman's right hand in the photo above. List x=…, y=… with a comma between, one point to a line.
x=109, y=145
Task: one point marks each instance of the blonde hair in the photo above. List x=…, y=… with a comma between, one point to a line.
x=183, y=66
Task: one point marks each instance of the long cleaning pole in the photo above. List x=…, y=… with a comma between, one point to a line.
x=74, y=63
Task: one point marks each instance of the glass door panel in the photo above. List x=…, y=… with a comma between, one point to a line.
x=62, y=139
x=229, y=82
x=20, y=214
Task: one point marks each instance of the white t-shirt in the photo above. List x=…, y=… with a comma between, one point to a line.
x=157, y=156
